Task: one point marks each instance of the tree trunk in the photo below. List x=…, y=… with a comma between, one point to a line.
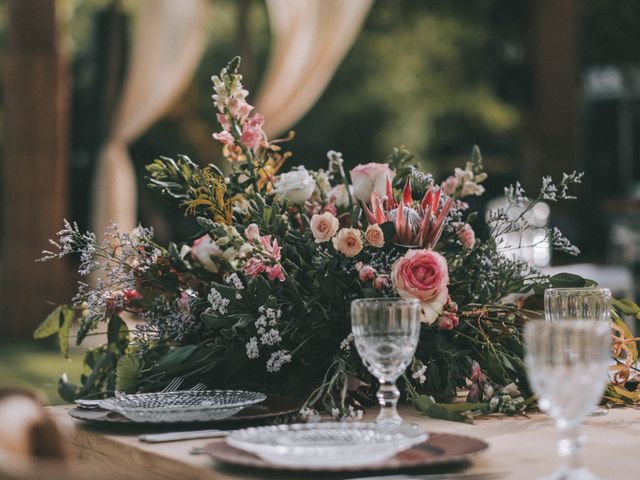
x=553, y=137
x=34, y=168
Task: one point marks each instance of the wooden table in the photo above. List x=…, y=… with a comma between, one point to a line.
x=520, y=448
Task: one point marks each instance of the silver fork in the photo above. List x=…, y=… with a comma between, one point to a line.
x=173, y=385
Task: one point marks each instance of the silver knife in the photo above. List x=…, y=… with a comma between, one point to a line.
x=177, y=436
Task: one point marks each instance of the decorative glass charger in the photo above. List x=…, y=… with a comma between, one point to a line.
x=339, y=444
x=440, y=451
x=182, y=406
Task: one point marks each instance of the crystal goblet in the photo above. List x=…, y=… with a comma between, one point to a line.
x=588, y=303
x=568, y=366
x=386, y=332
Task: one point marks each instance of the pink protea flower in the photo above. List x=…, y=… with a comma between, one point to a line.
x=416, y=225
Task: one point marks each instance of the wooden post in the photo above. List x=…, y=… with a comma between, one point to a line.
x=34, y=167
x=552, y=147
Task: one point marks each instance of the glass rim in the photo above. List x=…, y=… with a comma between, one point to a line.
x=568, y=325
x=390, y=300
x=560, y=290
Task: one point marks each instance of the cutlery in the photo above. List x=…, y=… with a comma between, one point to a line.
x=172, y=386
x=177, y=436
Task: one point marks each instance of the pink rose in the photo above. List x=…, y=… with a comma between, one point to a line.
x=448, y=321
x=374, y=236
x=467, y=236
x=450, y=185
x=324, y=227
x=381, y=282
x=367, y=273
x=348, y=241
x=370, y=177
x=423, y=275
x=205, y=249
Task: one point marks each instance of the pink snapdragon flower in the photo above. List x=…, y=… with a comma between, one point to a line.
x=224, y=137
x=265, y=255
x=252, y=134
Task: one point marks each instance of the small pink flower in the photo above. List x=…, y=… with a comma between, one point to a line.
x=374, y=236
x=423, y=275
x=370, y=177
x=448, y=321
x=381, y=282
x=204, y=249
x=348, y=241
x=324, y=227
x=467, y=236
x=244, y=110
x=254, y=267
x=251, y=136
x=223, y=121
x=275, y=272
x=358, y=266
x=224, y=137
x=450, y=185
x=367, y=273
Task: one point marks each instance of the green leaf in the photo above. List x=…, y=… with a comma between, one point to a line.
x=66, y=319
x=175, y=357
x=68, y=391
x=128, y=372
x=570, y=280
x=117, y=334
x=51, y=324
x=454, y=412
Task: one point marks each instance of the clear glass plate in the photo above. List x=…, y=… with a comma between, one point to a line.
x=182, y=406
x=333, y=444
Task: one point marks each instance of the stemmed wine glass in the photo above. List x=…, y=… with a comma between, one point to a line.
x=567, y=366
x=386, y=332
x=588, y=303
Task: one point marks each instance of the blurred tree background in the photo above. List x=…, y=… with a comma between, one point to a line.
x=436, y=76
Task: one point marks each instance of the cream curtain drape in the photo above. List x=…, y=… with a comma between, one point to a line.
x=310, y=39
x=168, y=41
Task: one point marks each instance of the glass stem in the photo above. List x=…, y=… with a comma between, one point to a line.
x=388, y=396
x=569, y=445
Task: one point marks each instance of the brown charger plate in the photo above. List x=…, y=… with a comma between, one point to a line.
x=440, y=449
x=274, y=406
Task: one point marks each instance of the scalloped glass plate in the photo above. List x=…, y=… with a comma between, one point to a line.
x=182, y=406
x=335, y=444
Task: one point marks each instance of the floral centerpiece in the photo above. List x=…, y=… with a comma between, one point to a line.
x=260, y=299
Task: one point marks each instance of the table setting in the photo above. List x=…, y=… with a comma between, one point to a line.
x=340, y=324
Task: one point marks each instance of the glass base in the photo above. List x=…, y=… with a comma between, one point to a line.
x=598, y=412
x=564, y=473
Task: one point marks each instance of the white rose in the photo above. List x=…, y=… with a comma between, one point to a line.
x=296, y=186
x=366, y=178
